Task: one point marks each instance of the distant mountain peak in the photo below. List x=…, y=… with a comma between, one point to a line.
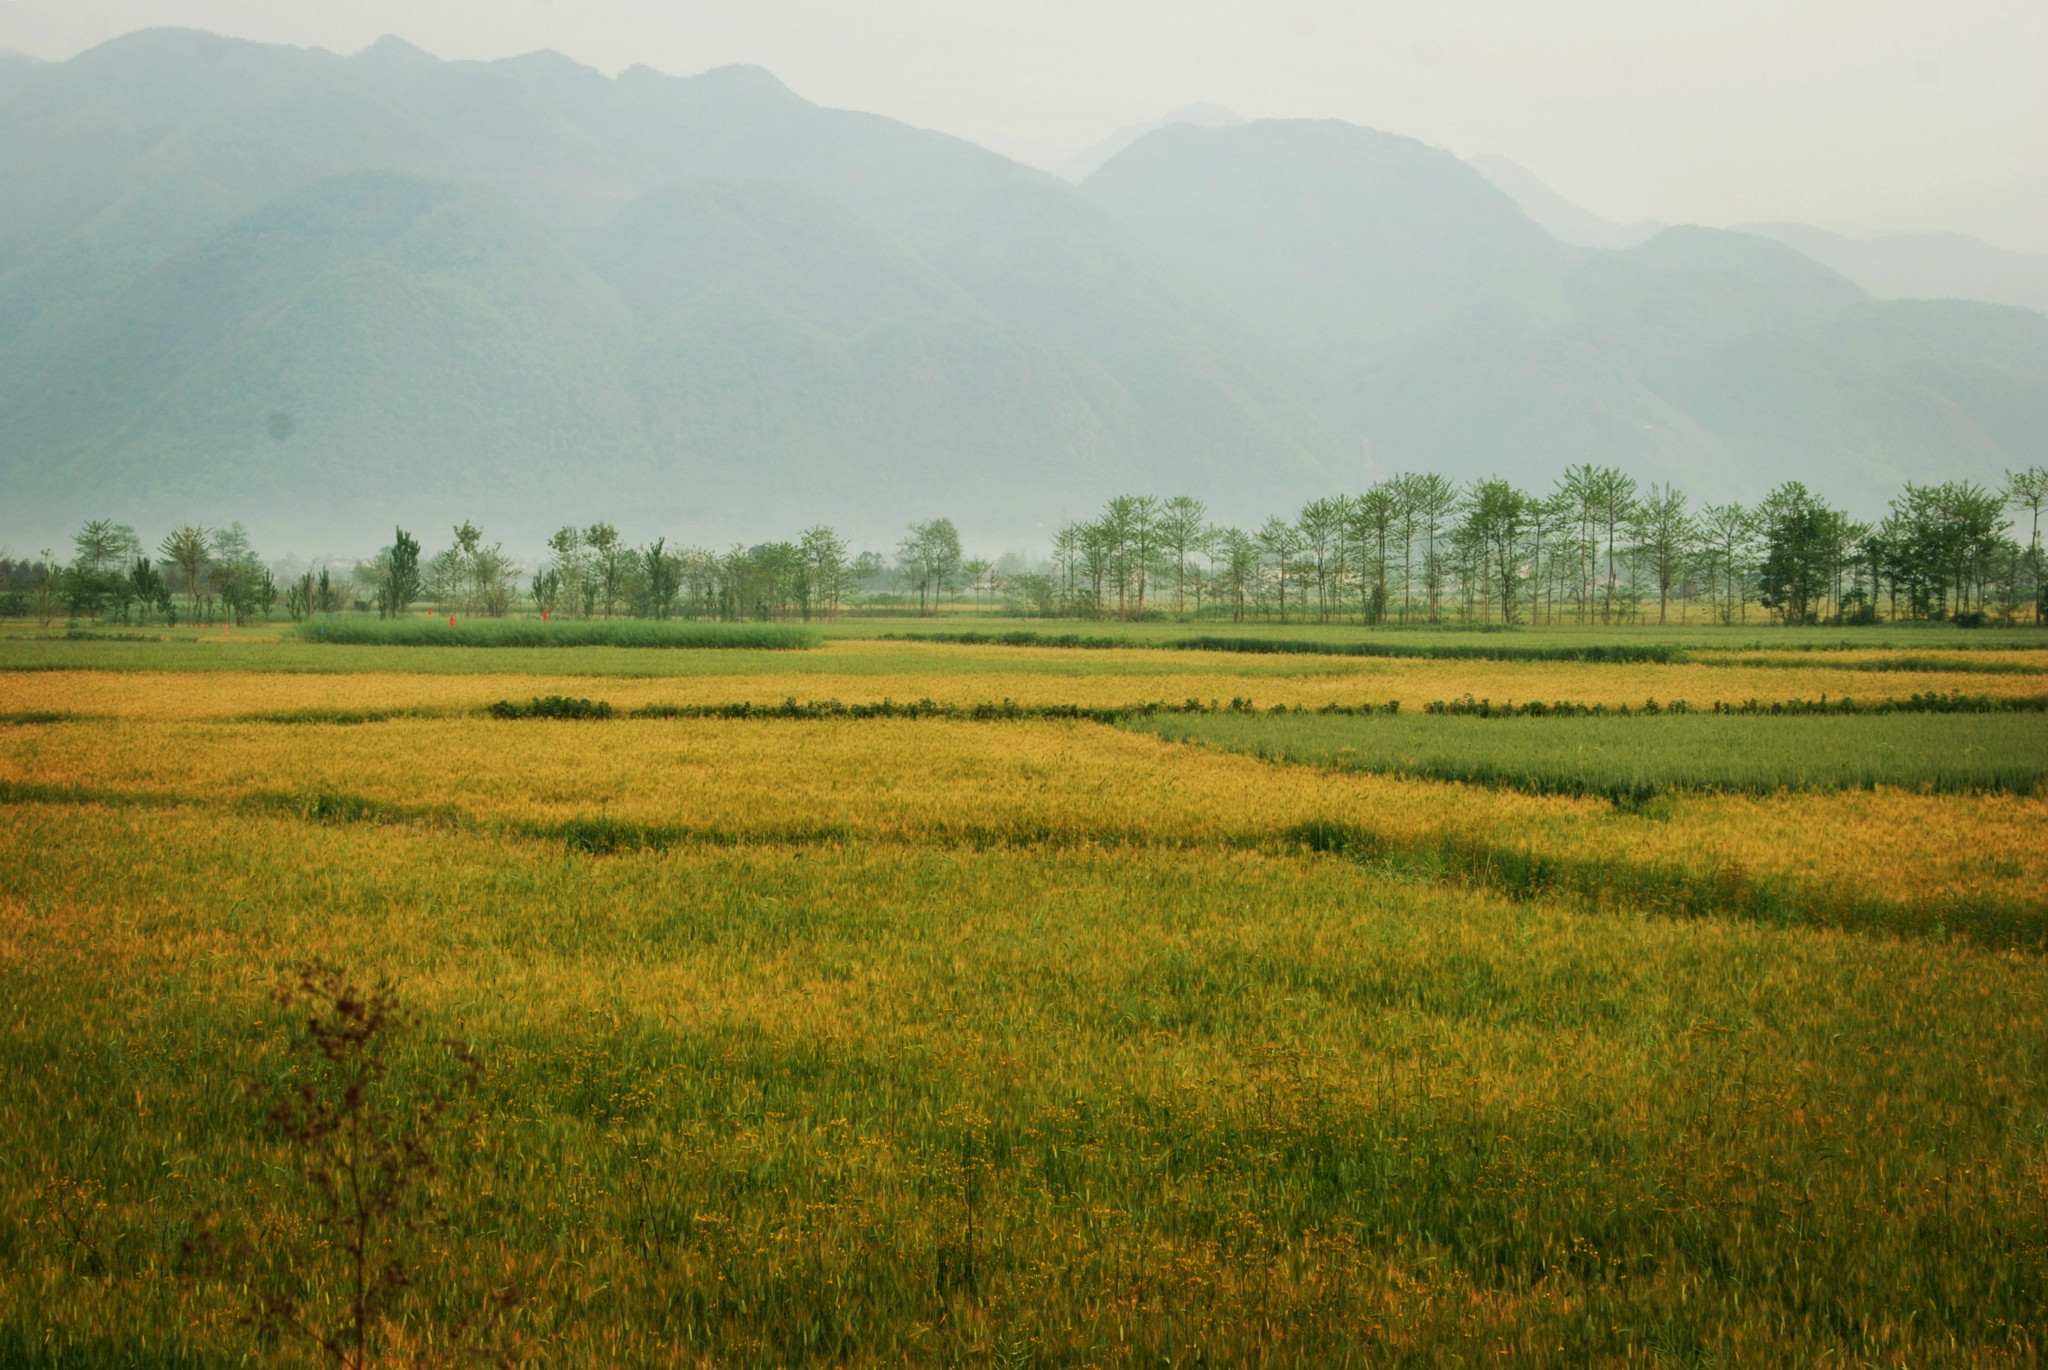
x=1802, y=281
x=1202, y=115
x=393, y=50
x=737, y=79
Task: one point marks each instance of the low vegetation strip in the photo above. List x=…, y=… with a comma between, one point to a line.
x=1008, y=710
x=565, y=707
x=356, y=630
x=1611, y=652
x=1655, y=652
x=1510, y=869
x=340, y=716
x=1956, y=664
x=1930, y=703
x=1729, y=889
x=1634, y=759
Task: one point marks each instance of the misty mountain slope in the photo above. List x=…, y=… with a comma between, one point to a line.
x=1450, y=332
x=1027, y=247
x=1750, y=280
x=165, y=134
x=787, y=349
x=367, y=341
x=312, y=289
x=1923, y=266
x=1721, y=363
x=815, y=352
x=1091, y=356
x=1909, y=266
x=806, y=251
x=14, y=68
x=1990, y=362
x=1318, y=226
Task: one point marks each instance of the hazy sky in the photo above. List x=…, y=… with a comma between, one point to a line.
x=1858, y=115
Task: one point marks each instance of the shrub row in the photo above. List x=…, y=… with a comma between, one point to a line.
x=1629, y=652
x=1932, y=703
x=558, y=706
x=352, y=630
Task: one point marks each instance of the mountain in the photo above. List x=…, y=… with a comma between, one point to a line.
x=364, y=347
x=1082, y=164
x=1923, y=266
x=1450, y=332
x=1720, y=362
x=321, y=294
x=1917, y=266
x=2010, y=212
x=1330, y=233
x=915, y=326
x=1563, y=220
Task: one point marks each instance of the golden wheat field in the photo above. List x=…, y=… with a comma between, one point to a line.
x=1013, y=1042
x=941, y=782
x=864, y=671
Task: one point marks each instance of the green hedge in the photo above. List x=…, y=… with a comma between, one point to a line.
x=1657, y=652
x=531, y=632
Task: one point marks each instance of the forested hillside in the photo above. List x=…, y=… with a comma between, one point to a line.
x=321, y=292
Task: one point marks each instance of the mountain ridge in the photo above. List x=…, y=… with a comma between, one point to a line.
x=742, y=312
x=1924, y=266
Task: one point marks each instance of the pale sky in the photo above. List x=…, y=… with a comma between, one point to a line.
x=1857, y=115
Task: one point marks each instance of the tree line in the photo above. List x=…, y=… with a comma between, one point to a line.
x=1597, y=548
x=1415, y=549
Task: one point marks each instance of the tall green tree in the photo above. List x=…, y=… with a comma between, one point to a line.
x=1728, y=542
x=1666, y=537
x=1797, y=531
x=96, y=580
x=825, y=562
x=1497, y=526
x=1183, y=520
x=1407, y=501
x=1321, y=529
x=2028, y=490
x=930, y=556
x=1435, y=499
x=1280, y=545
x=187, y=549
x=569, y=563
x=1235, y=557
x=400, y=584
x=660, y=580
x=147, y=585
x=1611, y=499
x=1375, y=516
x=611, y=565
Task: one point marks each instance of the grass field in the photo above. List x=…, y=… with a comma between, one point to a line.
x=936, y=1042
x=1635, y=759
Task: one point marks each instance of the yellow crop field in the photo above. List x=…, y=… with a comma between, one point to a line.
x=937, y=781
x=937, y=1042
x=864, y=672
